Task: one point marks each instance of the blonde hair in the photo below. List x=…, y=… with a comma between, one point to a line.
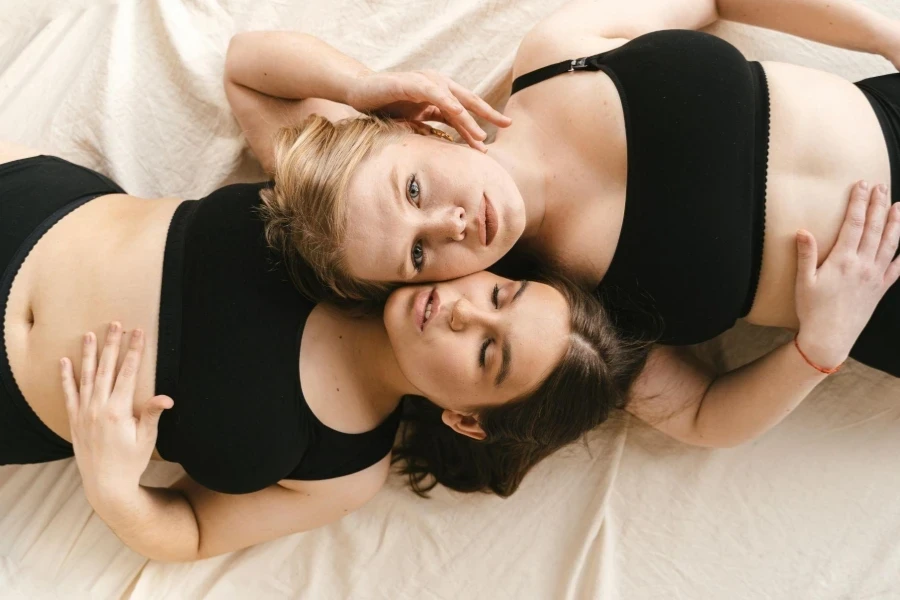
x=305, y=213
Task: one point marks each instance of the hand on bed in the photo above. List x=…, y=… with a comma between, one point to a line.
x=112, y=446
x=837, y=299
x=425, y=96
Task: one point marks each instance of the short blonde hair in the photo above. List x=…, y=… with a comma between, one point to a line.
x=305, y=212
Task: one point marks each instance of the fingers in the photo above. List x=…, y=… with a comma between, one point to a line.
x=432, y=113
x=126, y=380
x=88, y=368
x=106, y=367
x=807, y=256
x=887, y=249
x=855, y=219
x=893, y=272
x=149, y=423
x=477, y=105
x=876, y=218
x=468, y=130
x=436, y=89
x=70, y=390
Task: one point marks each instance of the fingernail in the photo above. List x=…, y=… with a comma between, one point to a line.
x=883, y=188
x=137, y=334
x=87, y=338
x=864, y=185
x=113, y=327
x=62, y=363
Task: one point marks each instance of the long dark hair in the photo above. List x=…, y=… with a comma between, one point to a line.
x=591, y=380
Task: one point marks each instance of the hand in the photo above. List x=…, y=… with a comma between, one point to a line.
x=112, y=446
x=835, y=301
x=425, y=96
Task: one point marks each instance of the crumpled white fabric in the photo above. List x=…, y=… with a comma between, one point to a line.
x=133, y=88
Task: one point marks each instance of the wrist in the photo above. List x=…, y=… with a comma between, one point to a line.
x=353, y=85
x=887, y=39
x=112, y=500
x=821, y=354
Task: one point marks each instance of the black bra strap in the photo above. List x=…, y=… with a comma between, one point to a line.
x=588, y=63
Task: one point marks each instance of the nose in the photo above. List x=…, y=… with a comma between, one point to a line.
x=448, y=224
x=465, y=314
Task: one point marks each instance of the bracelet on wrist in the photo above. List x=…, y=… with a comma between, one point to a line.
x=820, y=369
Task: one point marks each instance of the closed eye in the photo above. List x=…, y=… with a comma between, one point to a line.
x=482, y=357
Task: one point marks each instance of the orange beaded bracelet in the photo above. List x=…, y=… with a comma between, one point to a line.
x=814, y=365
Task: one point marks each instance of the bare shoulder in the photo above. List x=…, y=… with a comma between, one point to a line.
x=10, y=152
x=352, y=490
x=563, y=35
x=548, y=44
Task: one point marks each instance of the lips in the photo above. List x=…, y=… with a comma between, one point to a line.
x=426, y=306
x=490, y=221
x=487, y=222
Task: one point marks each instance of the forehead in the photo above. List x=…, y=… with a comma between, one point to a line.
x=375, y=238
x=539, y=337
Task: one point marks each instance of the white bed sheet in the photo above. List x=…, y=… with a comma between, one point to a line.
x=133, y=88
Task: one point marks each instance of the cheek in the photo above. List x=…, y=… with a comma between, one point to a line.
x=459, y=260
x=438, y=370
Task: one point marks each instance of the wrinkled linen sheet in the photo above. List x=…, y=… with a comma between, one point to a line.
x=809, y=510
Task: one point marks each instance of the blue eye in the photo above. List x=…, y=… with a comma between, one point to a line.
x=418, y=256
x=412, y=188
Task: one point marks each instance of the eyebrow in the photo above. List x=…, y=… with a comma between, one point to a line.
x=506, y=352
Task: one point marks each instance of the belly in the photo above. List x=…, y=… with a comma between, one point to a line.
x=100, y=263
x=824, y=136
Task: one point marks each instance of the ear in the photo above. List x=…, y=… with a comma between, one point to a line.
x=463, y=424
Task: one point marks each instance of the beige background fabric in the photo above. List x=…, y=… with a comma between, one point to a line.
x=809, y=510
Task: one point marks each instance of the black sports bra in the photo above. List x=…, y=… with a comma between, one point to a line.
x=230, y=325
x=697, y=123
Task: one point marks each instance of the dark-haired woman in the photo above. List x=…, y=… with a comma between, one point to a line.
x=282, y=413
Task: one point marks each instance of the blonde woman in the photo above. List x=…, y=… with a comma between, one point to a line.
x=283, y=413
x=647, y=160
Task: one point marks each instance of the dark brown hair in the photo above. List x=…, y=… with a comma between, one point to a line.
x=592, y=379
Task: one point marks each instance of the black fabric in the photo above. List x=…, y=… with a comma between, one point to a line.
x=879, y=344
x=230, y=359
x=35, y=193
x=690, y=250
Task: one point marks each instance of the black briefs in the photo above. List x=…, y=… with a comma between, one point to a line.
x=35, y=193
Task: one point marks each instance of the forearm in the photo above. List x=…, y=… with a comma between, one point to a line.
x=748, y=401
x=842, y=23
x=158, y=523
x=291, y=65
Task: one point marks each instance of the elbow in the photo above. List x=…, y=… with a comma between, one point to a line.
x=233, y=56
x=716, y=441
x=240, y=53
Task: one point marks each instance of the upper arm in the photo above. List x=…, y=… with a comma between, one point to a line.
x=585, y=27
x=262, y=116
x=669, y=392
x=230, y=522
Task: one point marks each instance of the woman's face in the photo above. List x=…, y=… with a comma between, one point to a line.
x=481, y=340
x=422, y=209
